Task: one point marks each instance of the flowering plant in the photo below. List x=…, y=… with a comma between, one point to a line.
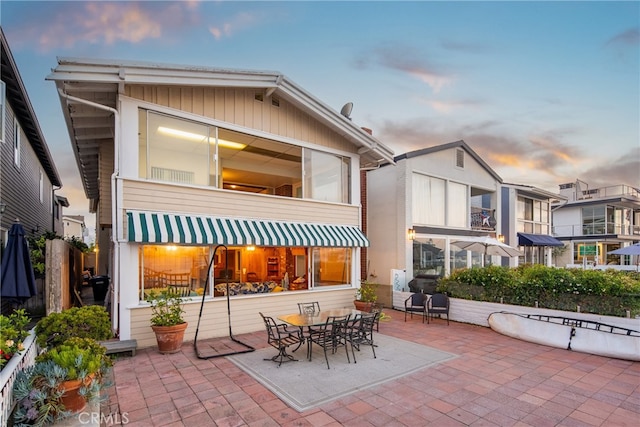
x=13, y=332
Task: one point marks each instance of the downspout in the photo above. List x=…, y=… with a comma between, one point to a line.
x=114, y=224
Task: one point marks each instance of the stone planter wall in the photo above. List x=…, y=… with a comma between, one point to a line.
x=477, y=312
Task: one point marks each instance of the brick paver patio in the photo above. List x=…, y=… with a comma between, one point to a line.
x=495, y=381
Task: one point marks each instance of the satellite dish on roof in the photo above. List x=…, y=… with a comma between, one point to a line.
x=346, y=110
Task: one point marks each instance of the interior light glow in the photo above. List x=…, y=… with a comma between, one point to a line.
x=198, y=137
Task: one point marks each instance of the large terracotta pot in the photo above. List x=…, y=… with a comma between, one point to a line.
x=170, y=338
x=71, y=399
x=363, y=306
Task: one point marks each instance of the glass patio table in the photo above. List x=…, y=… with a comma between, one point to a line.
x=309, y=320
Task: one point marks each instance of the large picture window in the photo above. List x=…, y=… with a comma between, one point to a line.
x=428, y=200
x=185, y=152
x=245, y=270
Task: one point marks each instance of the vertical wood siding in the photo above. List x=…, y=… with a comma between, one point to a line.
x=240, y=107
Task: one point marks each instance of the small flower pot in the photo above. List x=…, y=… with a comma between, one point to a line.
x=170, y=338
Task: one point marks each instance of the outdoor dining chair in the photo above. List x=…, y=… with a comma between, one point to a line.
x=360, y=332
x=280, y=338
x=330, y=336
x=309, y=307
x=416, y=303
x=438, y=304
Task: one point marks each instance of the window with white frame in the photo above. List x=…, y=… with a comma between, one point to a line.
x=457, y=205
x=428, y=200
x=16, y=143
x=532, y=215
x=186, y=152
x=2, y=112
x=436, y=201
x=41, y=186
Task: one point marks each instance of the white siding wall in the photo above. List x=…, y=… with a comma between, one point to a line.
x=244, y=313
x=386, y=218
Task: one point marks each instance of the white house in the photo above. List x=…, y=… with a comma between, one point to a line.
x=178, y=160
x=595, y=221
x=74, y=226
x=419, y=209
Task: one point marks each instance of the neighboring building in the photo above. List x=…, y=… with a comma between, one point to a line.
x=596, y=221
x=74, y=227
x=418, y=209
x=526, y=223
x=178, y=160
x=28, y=175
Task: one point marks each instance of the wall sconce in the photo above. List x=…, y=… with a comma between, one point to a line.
x=251, y=248
x=501, y=238
x=35, y=230
x=411, y=234
x=3, y=207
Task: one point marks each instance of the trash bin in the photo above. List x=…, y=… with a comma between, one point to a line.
x=100, y=285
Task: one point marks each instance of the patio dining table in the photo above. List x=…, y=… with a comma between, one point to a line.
x=308, y=320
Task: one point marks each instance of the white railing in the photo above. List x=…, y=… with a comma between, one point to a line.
x=9, y=373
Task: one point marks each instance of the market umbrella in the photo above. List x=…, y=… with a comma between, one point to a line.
x=628, y=250
x=488, y=246
x=17, y=277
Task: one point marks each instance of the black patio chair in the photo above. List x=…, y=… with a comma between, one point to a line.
x=377, y=308
x=438, y=304
x=330, y=336
x=360, y=332
x=280, y=338
x=416, y=303
x=309, y=307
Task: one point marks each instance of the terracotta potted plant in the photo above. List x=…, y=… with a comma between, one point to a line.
x=167, y=321
x=366, y=296
x=61, y=382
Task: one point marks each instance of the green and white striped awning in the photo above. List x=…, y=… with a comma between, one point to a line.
x=153, y=227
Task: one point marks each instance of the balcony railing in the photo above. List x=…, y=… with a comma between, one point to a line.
x=611, y=191
x=595, y=230
x=483, y=219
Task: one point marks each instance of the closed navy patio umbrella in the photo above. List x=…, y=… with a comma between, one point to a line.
x=17, y=277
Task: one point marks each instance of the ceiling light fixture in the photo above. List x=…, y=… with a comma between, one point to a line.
x=197, y=137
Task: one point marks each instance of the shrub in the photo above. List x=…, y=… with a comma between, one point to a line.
x=91, y=321
x=13, y=331
x=608, y=292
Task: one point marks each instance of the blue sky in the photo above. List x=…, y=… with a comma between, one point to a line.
x=545, y=92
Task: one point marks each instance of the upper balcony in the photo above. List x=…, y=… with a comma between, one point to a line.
x=579, y=191
x=483, y=219
x=595, y=230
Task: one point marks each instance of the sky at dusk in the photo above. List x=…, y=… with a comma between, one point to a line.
x=545, y=92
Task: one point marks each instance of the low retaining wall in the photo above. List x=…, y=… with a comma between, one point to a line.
x=477, y=312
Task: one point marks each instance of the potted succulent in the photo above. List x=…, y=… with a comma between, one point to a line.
x=366, y=296
x=167, y=320
x=61, y=382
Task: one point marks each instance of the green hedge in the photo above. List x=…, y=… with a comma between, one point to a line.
x=608, y=292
